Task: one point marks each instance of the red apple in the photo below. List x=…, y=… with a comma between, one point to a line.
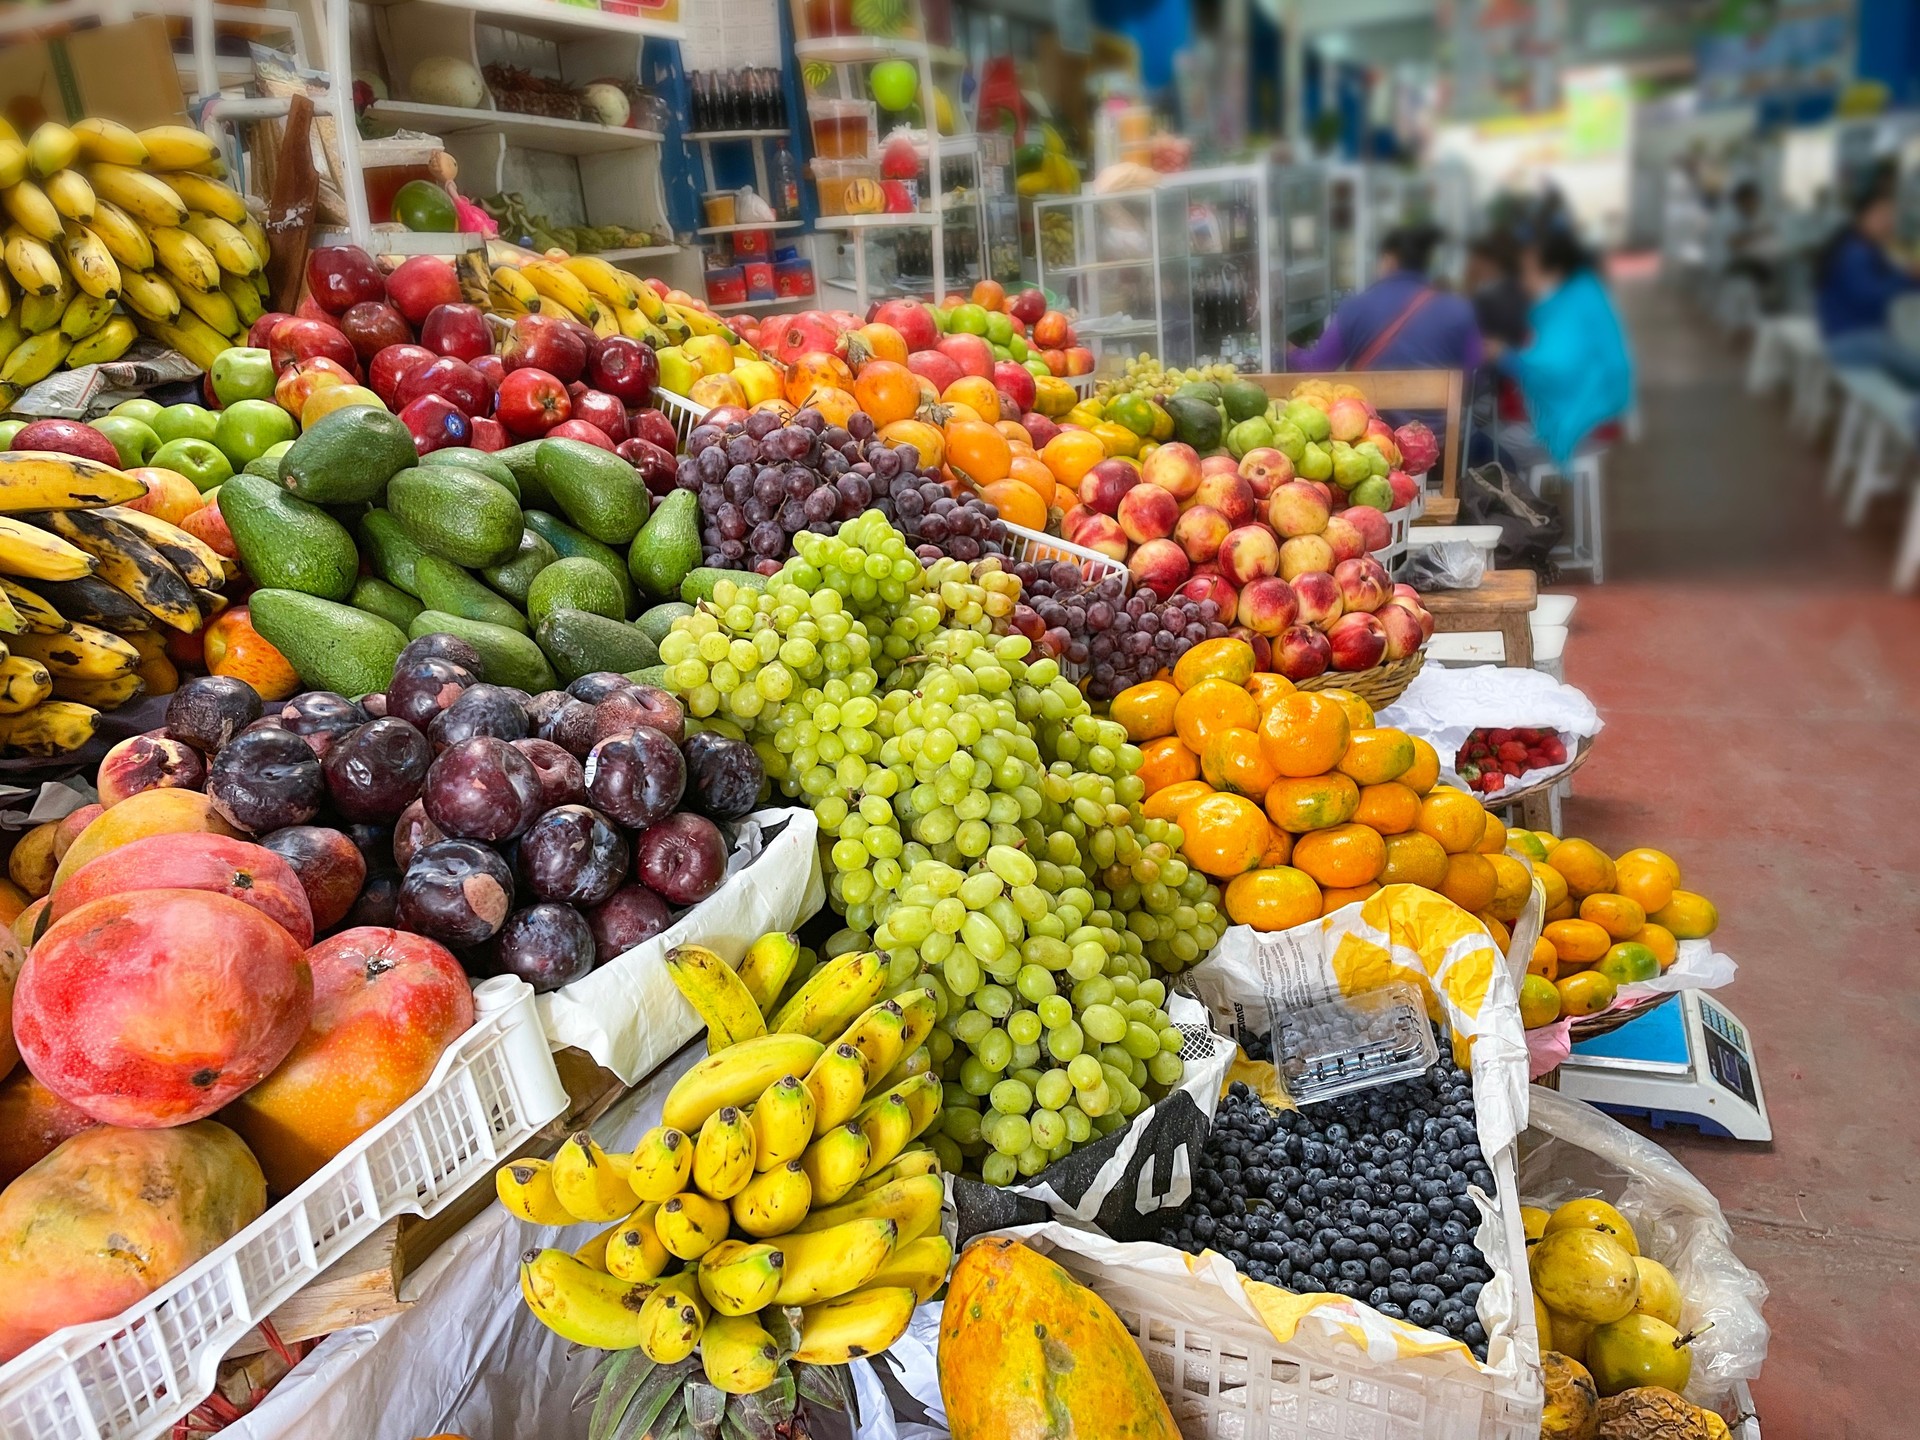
x=1247, y=553
x=454, y=379
x=653, y=426
x=1079, y=360
x=488, y=434
x=658, y=468
x=436, y=423
x=1343, y=537
x=970, y=352
x=341, y=276
x=1146, y=512
x=603, y=412
x=1363, y=584
x=935, y=367
x=1302, y=653
x=1228, y=492
x=300, y=378
x=1200, y=530
x=261, y=329
x=1102, y=487
x=912, y=319
x=421, y=282
x=581, y=430
x=545, y=342
x=1103, y=534
x=1405, y=488
x=1268, y=606
x=67, y=437
x=1159, y=566
x=1215, y=587
x=1040, y=428
x=372, y=325
x=1376, y=532
x=1016, y=383
x=311, y=309
x=298, y=339
x=625, y=369
x=1174, y=468
x=531, y=402
x=387, y=370
x=1028, y=306
x=1303, y=554
x=458, y=330
x=1357, y=640
x=1402, y=628
x=1319, y=597
x=1297, y=508
x=1347, y=419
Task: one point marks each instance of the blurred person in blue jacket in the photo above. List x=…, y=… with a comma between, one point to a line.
x=1859, y=281
x=1401, y=321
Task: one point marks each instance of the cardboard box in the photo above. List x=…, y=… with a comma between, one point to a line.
x=122, y=72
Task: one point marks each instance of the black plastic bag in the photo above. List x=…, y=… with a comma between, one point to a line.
x=1529, y=527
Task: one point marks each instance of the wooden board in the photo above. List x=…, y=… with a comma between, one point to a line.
x=1503, y=602
x=1442, y=390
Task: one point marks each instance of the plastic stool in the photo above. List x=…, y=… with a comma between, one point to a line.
x=1549, y=645
x=1906, y=569
x=1554, y=610
x=1585, y=546
x=1875, y=435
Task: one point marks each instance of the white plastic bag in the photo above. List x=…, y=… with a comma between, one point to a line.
x=1443, y=706
x=1571, y=1150
x=1696, y=966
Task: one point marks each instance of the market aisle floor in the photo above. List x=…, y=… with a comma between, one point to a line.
x=1761, y=688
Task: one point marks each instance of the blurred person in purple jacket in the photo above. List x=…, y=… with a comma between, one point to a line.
x=1860, y=278
x=1401, y=321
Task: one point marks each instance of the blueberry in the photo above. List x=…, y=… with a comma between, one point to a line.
x=1400, y=1292
x=1419, y=1312
x=1476, y=1334
x=1392, y=1311
x=1425, y=1273
x=1379, y=1270
x=1429, y=1293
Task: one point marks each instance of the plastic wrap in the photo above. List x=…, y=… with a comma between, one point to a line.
x=1443, y=706
x=1696, y=966
x=1449, y=565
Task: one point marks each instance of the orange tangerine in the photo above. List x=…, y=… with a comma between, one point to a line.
x=1279, y=848
x=1453, y=817
x=1643, y=880
x=1016, y=503
x=1496, y=927
x=1546, y=959
x=1424, y=773
x=1414, y=858
x=1275, y=898
x=1555, y=884
x=1167, y=802
x=1391, y=808
x=1265, y=687
x=1587, y=993
x=1334, y=898
x=1318, y=802
x=1233, y=761
x=1548, y=840
x=1343, y=856
x=1146, y=710
x=1470, y=882
x=1585, y=866
x=1562, y=911
x=1225, y=835
x=1493, y=841
x=1687, y=915
x=1578, y=942
x=1627, y=962
x=1513, y=883
x=1660, y=941
x=1658, y=857
x=1528, y=844
x=1304, y=734
x=1027, y=469
x=1376, y=756
x=1539, y=1002
x=1615, y=914
x=976, y=392
x=1359, y=712
x=1210, y=706
x=1167, y=761
x=1222, y=659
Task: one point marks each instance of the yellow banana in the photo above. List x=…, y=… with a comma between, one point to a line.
x=24, y=683
x=37, y=613
x=915, y=1161
x=913, y=1204
x=661, y=1164
x=32, y=211
x=672, y=1320
x=210, y=197
x=84, y=315
x=510, y=282
x=199, y=564
x=12, y=622
x=110, y=141
x=636, y=326
x=923, y=1094
x=148, y=199
x=525, y=1188
x=191, y=336
x=91, y=601
x=690, y=1224
x=716, y=994
x=835, y=1162
x=634, y=1251
x=127, y=562
x=880, y=1035
x=6, y=293
x=152, y=645
x=245, y=297
x=738, y=1278
x=723, y=1154
x=256, y=234
x=611, y=286
x=833, y=996
x=782, y=1123
x=702, y=323
x=48, y=480
x=738, y=1356
x=150, y=296
x=821, y=1264
x=561, y=286
x=864, y=1323
x=501, y=303
x=52, y=148
x=85, y=652
x=178, y=147
x=109, y=342
x=888, y=1124
x=916, y=1061
x=603, y=324
x=42, y=313
x=770, y=960
x=90, y=262
x=53, y=727
x=12, y=333
x=593, y=1253
x=651, y=304
x=579, y=1303
x=71, y=196
x=215, y=309
x=229, y=248
x=31, y=263
x=182, y=256
x=920, y=1008
x=733, y=1077
x=13, y=161
x=838, y=1085
x=591, y=1183
x=34, y=359
x=31, y=551
x=100, y=694
x=773, y=1203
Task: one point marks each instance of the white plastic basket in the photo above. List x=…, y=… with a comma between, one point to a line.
x=1035, y=547
x=1394, y=555
x=1083, y=385
x=684, y=413
x=133, y=1376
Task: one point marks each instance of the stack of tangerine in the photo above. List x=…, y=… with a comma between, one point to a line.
x=1299, y=804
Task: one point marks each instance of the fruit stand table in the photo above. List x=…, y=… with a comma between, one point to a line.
x=1504, y=602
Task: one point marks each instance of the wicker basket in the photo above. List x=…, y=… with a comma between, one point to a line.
x=1587, y=1027
x=1379, y=687
x=1505, y=798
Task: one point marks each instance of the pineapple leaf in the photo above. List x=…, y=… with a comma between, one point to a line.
x=765, y=1415
x=824, y=1385
x=650, y=1404
x=596, y=1379
x=782, y=1324
x=619, y=1385
x=672, y=1422
x=706, y=1404
x=734, y=1428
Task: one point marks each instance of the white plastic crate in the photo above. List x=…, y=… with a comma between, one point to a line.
x=1394, y=554
x=1036, y=547
x=684, y=413
x=1083, y=385
x=135, y=1375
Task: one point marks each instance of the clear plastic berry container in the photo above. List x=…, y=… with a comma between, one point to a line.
x=1352, y=1042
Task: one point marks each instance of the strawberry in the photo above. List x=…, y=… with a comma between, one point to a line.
x=1513, y=750
x=1499, y=737
x=1554, y=750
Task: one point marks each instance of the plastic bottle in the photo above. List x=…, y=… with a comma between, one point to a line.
x=786, y=184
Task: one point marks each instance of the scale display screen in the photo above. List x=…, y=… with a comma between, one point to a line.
x=1726, y=1051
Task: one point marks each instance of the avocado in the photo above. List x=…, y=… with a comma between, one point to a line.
x=334, y=647
x=534, y=494
x=1243, y=400
x=571, y=542
x=389, y=602
x=392, y=556
x=506, y=656
x=1200, y=390
x=1196, y=422
x=597, y=491
x=512, y=577
x=449, y=588
x=667, y=547
x=481, y=462
x=655, y=623
x=285, y=543
x=699, y=582
x=579, y=643
x=655, y=675
x=262, y=466
x=349, y=455
x=575, y=583
x=459, y=515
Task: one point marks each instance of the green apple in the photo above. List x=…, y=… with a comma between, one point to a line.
x=276, y=450
x=142, y=409
x=199, y=460
x=942, y=319
x=185, y=422
x=242, y=373
x=999, y=328
x=9, y=429
x=134, y=439
x=1036, y=367
x=1000, y=352
x=1019, y=348
x=248, y=427
x=969, y=319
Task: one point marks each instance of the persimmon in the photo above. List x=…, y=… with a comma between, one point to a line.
x=978, y=451
x=886, y=391
x=814, y=372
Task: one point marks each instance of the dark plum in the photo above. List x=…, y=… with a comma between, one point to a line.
x=321, y=717
x=265, y=780
x=422, y=690
x=683, y=859
x=377, y=771
x=636, y=778
x=484, y=710
x=265, y=722
x=547, y=946
x=598, y=686
x=330, y=866
x=413, y=832
x=639, y=705
x=723, y=776
x=455, y=891
x=378, y=900
x=374, y=841
x=573, y=854
x=482, y=789
x=545, y=706
x=574, y=727
x=633, y=913
x=209, y=710
x=562, y=781
x=375, y=705
x=441, y=646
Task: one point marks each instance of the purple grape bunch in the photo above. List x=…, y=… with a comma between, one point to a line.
x=1095, y=627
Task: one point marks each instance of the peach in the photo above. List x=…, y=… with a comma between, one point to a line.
x=1148, y=512
x=1072, y=520
x=1219, y=465
x=1228, y=492
x=1200, y=531
x=1363, y=584
x=1215, y=587
x=1159, y=566
x=1266, y=470
x=1402, y=628
x=1403, y=591
x=1347, y=419
x=1405, y=488
x=1268, y=606
x=1358, y=641
x=1102, y=533
x=69, y=828
x=1376, y=531
x=1247, y=553
x=148, y=762
x=1302, y=652
x=1304, y=554
x=1262, y=648
x=1344, y=537
x=1318, y=594
x=1297, y=507
x=1103, y=485
x=1422, y=616
x=1174, y=468
x=1379, y=435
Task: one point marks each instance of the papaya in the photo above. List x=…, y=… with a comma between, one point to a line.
x=1029, y=1353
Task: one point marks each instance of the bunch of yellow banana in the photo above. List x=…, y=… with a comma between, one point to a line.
x=781, y=1209
x=107, y=231
x=601, y=295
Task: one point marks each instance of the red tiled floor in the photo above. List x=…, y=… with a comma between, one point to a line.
x=1762, y=694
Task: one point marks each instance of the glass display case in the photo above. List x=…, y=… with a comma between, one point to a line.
x=1101, y=257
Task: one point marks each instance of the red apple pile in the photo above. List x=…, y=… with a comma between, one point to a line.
x=1491, y=757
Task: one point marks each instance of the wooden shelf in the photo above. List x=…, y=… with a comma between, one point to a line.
x=749, y=225
x=553, y=20
x=534, y=132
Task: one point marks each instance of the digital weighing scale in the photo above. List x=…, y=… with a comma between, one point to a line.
x=1688, y=1062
